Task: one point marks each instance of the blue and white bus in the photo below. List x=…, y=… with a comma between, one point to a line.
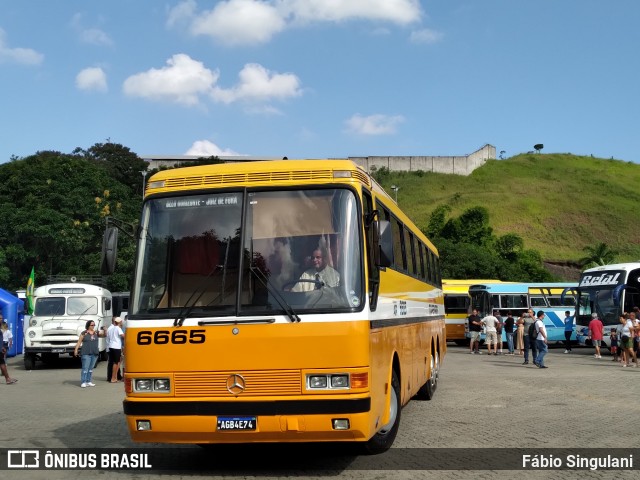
x=552, y=298
x=609, y=291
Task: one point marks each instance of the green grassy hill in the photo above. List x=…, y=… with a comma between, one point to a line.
x=557, y=203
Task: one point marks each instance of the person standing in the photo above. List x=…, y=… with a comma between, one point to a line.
x=475, y=327
x=596, y=329
x=529, y=341
x=115, y=336
x=89, y=351
x=3, y=367
x=491, y=324
x=626, y=342
x=499, y=327
x=7, y=337
x=520, y=334
x=541, y=340
x=508, y=331
x=568, y=331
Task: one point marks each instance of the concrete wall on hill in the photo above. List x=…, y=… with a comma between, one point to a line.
x=457, y=165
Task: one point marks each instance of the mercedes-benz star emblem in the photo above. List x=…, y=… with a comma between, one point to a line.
x=235, y=384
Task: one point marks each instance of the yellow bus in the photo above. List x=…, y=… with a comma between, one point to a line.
x=456, y=307
x=278, y=301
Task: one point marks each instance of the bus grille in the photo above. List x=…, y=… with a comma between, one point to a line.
x=257, y=383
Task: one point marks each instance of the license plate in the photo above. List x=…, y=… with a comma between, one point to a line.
x=237, y=423
x=57, y=350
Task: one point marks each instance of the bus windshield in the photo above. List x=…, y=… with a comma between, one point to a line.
x=248, y=253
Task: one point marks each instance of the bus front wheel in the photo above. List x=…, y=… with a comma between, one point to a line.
x=383, y=439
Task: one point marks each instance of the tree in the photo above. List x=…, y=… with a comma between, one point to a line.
x=598, y=254
x=469, y=249
x=120, y=162
x=509, y=246
x=53, y=207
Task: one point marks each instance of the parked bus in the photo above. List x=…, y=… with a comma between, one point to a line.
x=552, y=298
x=60, y=314
x=232, y=338
x=456, y=307
x=609, y=291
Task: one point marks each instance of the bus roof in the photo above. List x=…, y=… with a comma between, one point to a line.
x=70, y=288
x=614, y=266
x=520, y=287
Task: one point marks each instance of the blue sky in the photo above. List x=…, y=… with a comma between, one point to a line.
x=321, y=78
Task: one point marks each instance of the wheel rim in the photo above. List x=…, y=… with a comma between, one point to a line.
x=435, y=367
x=393, y=412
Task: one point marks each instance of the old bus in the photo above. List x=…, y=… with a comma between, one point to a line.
x=236, y=332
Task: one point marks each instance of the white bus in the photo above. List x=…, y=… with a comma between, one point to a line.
x=60, y=314
x=609, y=291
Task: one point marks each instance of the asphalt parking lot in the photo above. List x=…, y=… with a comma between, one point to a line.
x=483, y=404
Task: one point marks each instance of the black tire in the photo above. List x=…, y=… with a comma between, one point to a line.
x=29, y=361
x=428, y=390
x=462, y=342
x=384, y=438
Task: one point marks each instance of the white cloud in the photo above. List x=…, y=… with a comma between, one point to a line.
x=259, y=84
x=205, y=148
x=93, y=36
x=188, y=82
x=183, y=12
x=239, y=22
x=182, y=81
x=426, y=35
x=24, y=56
x=92, y=79
x=401, y=12
x=252, y=22
x=377, y=124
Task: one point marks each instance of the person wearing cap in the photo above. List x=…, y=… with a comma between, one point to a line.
x=596, y=329
x=541, y=340
x=115, y=336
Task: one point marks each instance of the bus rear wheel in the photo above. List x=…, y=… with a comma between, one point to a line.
x=383, y=439
x=428, y=390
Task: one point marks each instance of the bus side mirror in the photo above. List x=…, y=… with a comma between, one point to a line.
x=385, y=243
x=109, y=251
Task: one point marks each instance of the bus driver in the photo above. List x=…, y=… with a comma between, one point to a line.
x=320, y=275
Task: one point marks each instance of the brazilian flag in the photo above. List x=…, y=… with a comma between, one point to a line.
x=30, y=284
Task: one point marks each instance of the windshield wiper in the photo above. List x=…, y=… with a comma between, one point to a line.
x=186, y=310
x=293, y=316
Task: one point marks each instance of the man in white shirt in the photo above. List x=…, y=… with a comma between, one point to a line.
x=491, y=325
x=541, y=340
x=321, y=275
x=115, y=336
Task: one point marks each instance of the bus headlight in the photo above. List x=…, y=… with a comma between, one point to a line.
x=144, y=385
x=161, y=385
x=317, y=381
x=32, y=334
x=33, y=322
x=152, y=385
x=339, y=381
x=328, y=381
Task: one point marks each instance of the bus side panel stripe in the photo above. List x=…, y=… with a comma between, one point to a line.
x=395, y=322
